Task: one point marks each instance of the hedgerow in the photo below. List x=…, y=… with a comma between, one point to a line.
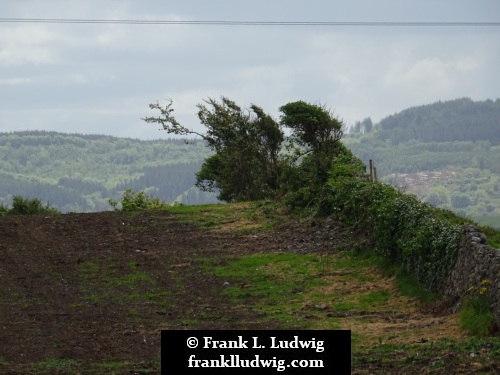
x=402, y=228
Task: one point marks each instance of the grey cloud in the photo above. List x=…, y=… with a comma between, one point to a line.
x=101, y=78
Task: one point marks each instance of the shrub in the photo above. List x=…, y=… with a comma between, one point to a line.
x=476, y=315
x=138, y=200
x=304, y=188
x=25, y=206
x=302, y=198
x=4, y=210
x=402, y=229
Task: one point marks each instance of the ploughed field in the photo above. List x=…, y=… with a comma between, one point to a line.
x=90, y=293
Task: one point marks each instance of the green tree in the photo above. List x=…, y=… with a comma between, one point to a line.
x=362, y=127
x=246, y=163
x=367, y=125
x=317, y=132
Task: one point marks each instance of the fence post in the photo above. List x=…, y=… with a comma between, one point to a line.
x=371, y=170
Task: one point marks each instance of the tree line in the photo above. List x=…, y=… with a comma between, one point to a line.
x=168, y=182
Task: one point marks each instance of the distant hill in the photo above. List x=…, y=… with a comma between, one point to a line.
x=456, y=120
x=79, y=173
x=447, y=153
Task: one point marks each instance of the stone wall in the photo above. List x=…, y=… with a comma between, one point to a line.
x=476, y=261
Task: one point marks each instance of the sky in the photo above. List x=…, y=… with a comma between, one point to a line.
x=100, y=78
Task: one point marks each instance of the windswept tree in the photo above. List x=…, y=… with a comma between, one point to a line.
x=247, y=164
x=318, y=132
x=246, y=145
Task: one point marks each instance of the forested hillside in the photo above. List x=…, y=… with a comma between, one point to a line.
x=75, y=172
x=456, y=120
x=448, y=153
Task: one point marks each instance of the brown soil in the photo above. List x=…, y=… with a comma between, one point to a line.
x=98, y=288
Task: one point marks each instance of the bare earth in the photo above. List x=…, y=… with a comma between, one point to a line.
x=97, y=289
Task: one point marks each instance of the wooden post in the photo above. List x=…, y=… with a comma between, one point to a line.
x=371, y=170
x=375, y=173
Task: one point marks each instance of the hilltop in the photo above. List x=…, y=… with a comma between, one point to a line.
x=455, y=120
x=90, y=293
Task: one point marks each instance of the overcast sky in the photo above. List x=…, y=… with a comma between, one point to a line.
x=100, y=78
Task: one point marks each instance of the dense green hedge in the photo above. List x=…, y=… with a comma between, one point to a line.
x=402, y=228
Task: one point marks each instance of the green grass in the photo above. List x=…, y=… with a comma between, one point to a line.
x=237, y=217
x=106, y=275
x=55, y=365
x=405, y=283
x=107, y=283
x=113, y=365
x=296, y=289
x=207, y=216
x=477, y=323
x=476, y=315
x=266, y=281
x=4, y=362
x=93, y=299
x=88, y=268
x=492, y=236
x=373, y=299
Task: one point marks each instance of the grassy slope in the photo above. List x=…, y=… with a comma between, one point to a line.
x=380, y=304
